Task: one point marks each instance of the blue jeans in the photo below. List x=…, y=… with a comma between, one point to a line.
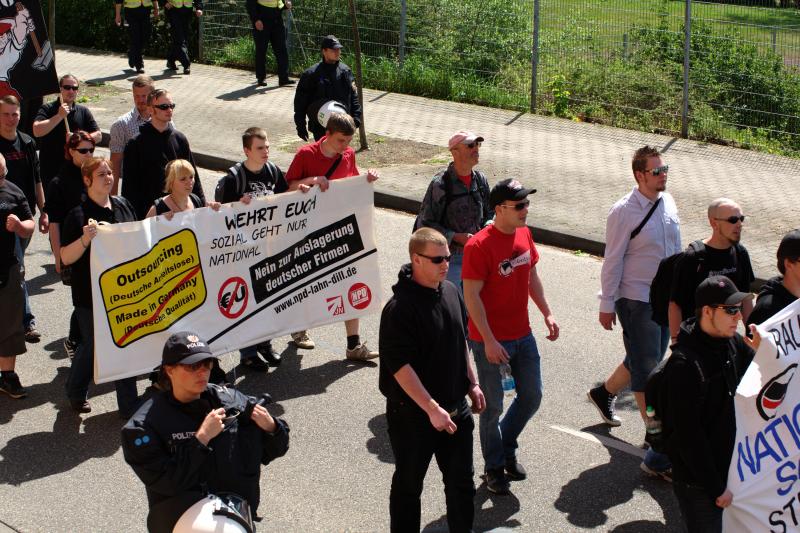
x=499, y=437
x=20, y=246
x=454, y=272
x=80, y=374
x=699, y=511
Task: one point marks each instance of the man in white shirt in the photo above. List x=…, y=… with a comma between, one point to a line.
x=642, y=228
x=126, y=127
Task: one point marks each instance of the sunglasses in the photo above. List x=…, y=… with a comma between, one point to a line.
x=473, y=145
x=85, y=150
x=732, y=219
x=164, y=107
x=205, y=364
x=658, y=170
x=70, y=87
x=438, y=259
x=731, y=310
x=518, y=207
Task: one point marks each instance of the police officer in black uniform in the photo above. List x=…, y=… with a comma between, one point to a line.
x=137, y=15
x=195, y=438
x=180, y=14
x=268, y=29
x=330, y=79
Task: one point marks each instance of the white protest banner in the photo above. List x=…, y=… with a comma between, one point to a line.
x=764, y=468
x=237, y=277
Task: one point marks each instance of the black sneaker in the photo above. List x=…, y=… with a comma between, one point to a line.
x=255, y=364
x=604, y=402
x=32, y=335
x=80, y=406
x=497, y=482
x=70, y=348
x=261, y=83
x=285, y=82
x=515, y=471
x=9, y=383
x=272, y=357
x=187, y=71
x=171, y=66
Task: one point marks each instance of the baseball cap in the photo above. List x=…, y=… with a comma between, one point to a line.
x=789, y=247
x=185, y=347
x=463, y=137
x=329, y=41
x=508, y=189
x=718, y=290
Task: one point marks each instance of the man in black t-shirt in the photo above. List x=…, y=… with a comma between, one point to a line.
x=256, y=176
x=425, y=375
x=22, y=163
x=721, y=255
x=16, y=221
x=49, y=129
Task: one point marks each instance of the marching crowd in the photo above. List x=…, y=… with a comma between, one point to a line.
x=472, y=268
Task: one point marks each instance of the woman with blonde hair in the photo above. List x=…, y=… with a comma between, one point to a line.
x=178, y=186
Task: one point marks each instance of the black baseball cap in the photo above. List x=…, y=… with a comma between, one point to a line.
x=718, y=290
x=789, y=248
x=330, y=41
x=508, y=189
x=185, y=347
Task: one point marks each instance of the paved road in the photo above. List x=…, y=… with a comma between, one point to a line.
x=62, y=472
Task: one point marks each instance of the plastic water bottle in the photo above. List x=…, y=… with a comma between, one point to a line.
x=653, y=429
x=507, y=380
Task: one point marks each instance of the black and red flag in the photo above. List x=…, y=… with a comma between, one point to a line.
x=27, y=61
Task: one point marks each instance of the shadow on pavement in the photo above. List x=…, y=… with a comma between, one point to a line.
x=245, y=92
x=379, y=445
x=36, y=285
x=494, y=518
x=64, y=448
x=127, y=74
x=587, y=499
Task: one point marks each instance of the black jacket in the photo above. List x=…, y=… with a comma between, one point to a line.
x=64, y=192
x=772, y=298
x=159, y=443
x=425, y=328
x=700, y=411
x=319, y=84
x=144, y=164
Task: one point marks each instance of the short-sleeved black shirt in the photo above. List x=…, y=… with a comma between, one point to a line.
x=64, y=192
x=690, y=272
x=12, y=201
x=22, y=165
x=51, y=146
x=72, y=230
x=270, y=180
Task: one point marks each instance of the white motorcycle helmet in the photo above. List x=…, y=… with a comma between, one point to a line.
x=324, y=113
x=223, y=513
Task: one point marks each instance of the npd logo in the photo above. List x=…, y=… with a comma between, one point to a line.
x=359, y=295
x=772, y=394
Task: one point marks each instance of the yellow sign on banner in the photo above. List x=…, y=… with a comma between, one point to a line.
x=150, y=293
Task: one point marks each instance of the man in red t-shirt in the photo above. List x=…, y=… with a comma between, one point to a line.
x=499, y=274
x=330, y=158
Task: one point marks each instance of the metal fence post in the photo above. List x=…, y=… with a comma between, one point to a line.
x=535, y=56
x=687, y=42
x=200, y=27
x=51, y=22
x=362, y=131
x=402, y=41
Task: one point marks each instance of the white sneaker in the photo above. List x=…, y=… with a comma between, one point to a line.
x=302, y=340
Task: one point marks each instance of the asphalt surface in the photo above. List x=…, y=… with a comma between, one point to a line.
x=64, y=472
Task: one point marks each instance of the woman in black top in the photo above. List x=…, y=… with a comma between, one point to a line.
x=79, y=228
x=178, y=186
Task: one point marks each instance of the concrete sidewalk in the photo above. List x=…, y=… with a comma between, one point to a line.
x=579, y=169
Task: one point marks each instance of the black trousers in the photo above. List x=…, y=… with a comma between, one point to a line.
x=139, y=27
x=414, y=442
x=699, y=510
x=273, y=34
x=179, y=20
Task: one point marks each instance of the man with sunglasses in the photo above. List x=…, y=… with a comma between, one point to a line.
x=719, y=255
x=708, y=360
x=146, y=155
x=22, y=164
x=426, y=375
x=642, y=228
x=194, y=438
x=456, y=203
x=499, y=276
x=50, y=130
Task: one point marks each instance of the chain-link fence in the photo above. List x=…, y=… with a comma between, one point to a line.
x=616, y=62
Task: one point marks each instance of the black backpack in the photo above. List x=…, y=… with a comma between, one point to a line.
x=661, y=286
x=655, y=396
x=449, y=197
x=237, y=171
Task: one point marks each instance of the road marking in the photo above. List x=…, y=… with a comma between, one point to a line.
x=603, y=441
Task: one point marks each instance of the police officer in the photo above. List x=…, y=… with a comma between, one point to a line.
x=330, y=79
x=137, y=14
x=268, y=29
x=194, y=437
x=179, y=15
